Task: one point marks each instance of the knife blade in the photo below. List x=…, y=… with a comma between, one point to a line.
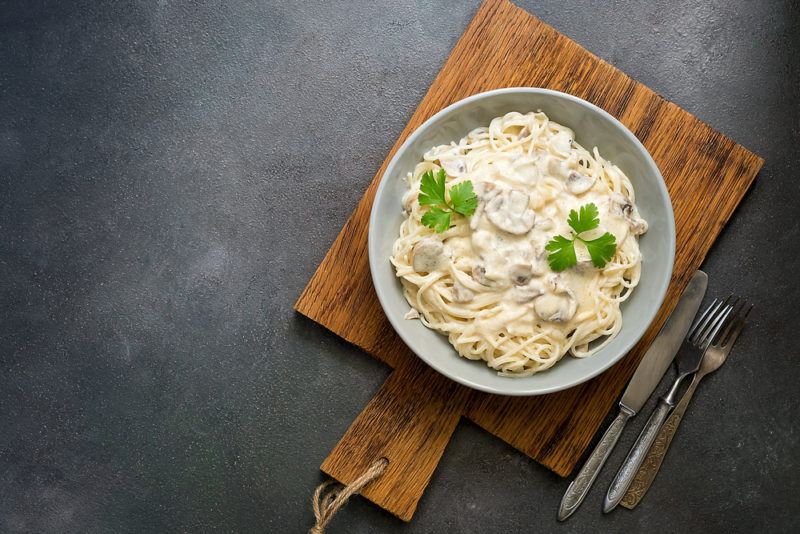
x=651, y=369
x=659, y=356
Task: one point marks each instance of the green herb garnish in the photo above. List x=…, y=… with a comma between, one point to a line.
x=562, y=249
x=432, y=193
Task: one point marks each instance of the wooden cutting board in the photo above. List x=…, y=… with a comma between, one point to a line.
x=411, y=418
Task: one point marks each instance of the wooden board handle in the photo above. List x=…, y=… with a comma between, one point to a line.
x=409, y=422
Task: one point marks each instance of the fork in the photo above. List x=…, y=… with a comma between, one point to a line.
x=700, y=335
x=713, y=359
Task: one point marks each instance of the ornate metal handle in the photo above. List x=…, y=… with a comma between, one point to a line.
x=652, y=462
x=635, y=458
x=579, y=487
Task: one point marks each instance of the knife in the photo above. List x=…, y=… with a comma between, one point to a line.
x=655, y=363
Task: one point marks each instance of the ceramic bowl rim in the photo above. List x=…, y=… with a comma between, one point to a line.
x=376, y=263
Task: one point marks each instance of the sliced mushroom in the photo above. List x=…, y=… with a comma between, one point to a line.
x=509, y=211
x=578, y=183
x=485, y=191
x=520, y=273
x=479, y=275
x=528, y=292
x=556, y=307
x=454, y=167
x=637, y=224
x=460, y=293
x=562, y=141
x=427, y=255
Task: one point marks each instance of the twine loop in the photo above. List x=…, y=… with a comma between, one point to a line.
x=327, y=503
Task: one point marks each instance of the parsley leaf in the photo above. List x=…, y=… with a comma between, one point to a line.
x=586, y=220
x=463, y=198
x=562, y=249
x=601, y=249
x=432, y=193
x=432, y=189
x=437, y=218
x=562, y=253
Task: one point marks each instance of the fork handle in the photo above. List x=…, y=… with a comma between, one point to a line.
x=652, y=462
x=579, y=487
x=636, y=456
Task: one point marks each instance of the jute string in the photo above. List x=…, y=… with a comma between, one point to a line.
x=327, y=503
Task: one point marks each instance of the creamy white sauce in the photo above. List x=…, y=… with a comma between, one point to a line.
x=486, y=281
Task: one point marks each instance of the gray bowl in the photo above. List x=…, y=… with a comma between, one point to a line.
x=592, y=127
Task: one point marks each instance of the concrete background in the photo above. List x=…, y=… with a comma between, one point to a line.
x=171, y=174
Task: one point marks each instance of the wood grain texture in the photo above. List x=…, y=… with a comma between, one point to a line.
x=413, y=415
x=408, y=422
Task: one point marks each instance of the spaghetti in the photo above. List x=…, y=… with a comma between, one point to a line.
x=485, y=282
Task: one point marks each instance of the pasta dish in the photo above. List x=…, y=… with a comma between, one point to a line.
x=519, y=244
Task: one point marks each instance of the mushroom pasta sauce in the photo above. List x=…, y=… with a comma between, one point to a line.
x=485, y=280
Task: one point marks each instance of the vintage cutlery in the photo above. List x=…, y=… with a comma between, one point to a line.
x=713, y=359
x=652, y=367
x=688, y=361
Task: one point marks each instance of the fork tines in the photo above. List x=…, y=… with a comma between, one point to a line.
x=740, y=309
x=709, y=323
x=720, y=323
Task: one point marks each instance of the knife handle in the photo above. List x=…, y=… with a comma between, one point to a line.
x=652, y=462
x=636, y=456
x=579, y=487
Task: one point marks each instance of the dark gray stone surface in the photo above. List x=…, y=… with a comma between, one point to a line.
x=171, y=173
